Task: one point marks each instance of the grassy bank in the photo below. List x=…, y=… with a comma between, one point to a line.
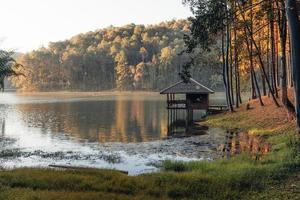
x=273, y=175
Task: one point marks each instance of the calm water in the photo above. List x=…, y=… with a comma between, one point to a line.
x=106, y=119
x=125, y=132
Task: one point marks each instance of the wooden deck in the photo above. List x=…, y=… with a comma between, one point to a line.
x=182, y=105
x=218, y=107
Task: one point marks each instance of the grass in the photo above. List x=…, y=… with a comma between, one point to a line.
x=275, y=175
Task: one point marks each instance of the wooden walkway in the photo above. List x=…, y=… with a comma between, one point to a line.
x=218, y=107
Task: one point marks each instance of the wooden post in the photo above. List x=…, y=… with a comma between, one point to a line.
x=173, y=113
x=187, y=120
x=171, y=95
x=168, y=114
x=168, y=123
x=191, y=116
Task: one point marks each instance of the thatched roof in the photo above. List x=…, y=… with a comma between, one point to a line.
x=191, y=87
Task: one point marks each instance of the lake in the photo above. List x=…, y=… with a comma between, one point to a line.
x=125, y=131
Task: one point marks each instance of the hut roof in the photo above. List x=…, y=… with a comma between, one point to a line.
x=191, y=87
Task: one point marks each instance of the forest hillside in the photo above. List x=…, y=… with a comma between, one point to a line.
x=132, y=57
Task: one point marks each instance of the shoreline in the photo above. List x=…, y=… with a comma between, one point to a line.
x=117, y=155
x=86, y=94
x=274, y=175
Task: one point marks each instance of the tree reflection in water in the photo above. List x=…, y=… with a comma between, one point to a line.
x=102, y=121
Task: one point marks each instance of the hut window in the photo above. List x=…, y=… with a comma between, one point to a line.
x=196, y=98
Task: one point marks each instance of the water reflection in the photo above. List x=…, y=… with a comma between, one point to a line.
x=116, y=120
x=93, y=131
x=242, y=142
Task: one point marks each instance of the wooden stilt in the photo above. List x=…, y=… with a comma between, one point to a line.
x=192, y=116
x=168, y=101
x=187, y=120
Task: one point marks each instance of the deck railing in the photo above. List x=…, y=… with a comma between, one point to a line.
x=176, y=104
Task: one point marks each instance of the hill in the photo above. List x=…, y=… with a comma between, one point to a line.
x=132, y=57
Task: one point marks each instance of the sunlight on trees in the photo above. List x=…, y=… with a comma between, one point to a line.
x=132, y=57
x=257, y=48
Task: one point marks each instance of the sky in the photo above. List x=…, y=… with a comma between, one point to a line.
x=30, y=24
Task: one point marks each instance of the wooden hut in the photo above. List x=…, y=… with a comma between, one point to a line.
x=187, y=95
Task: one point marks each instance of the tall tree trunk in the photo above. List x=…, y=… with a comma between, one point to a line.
x=272, y=38
x=291, y=61
x=231, y=69
x=239, y=85
x=236, y=64
x=253, y=75
x=283, y=31
x=294, y=30
x=228, y=41
x=269, y=70
x=257, y=87
x=253, y=90
x=263, y=79
x=277, y=60
x=224, y=68
x=262, y=66
x=225, y=53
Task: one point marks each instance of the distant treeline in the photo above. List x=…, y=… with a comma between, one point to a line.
x=132, y=57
